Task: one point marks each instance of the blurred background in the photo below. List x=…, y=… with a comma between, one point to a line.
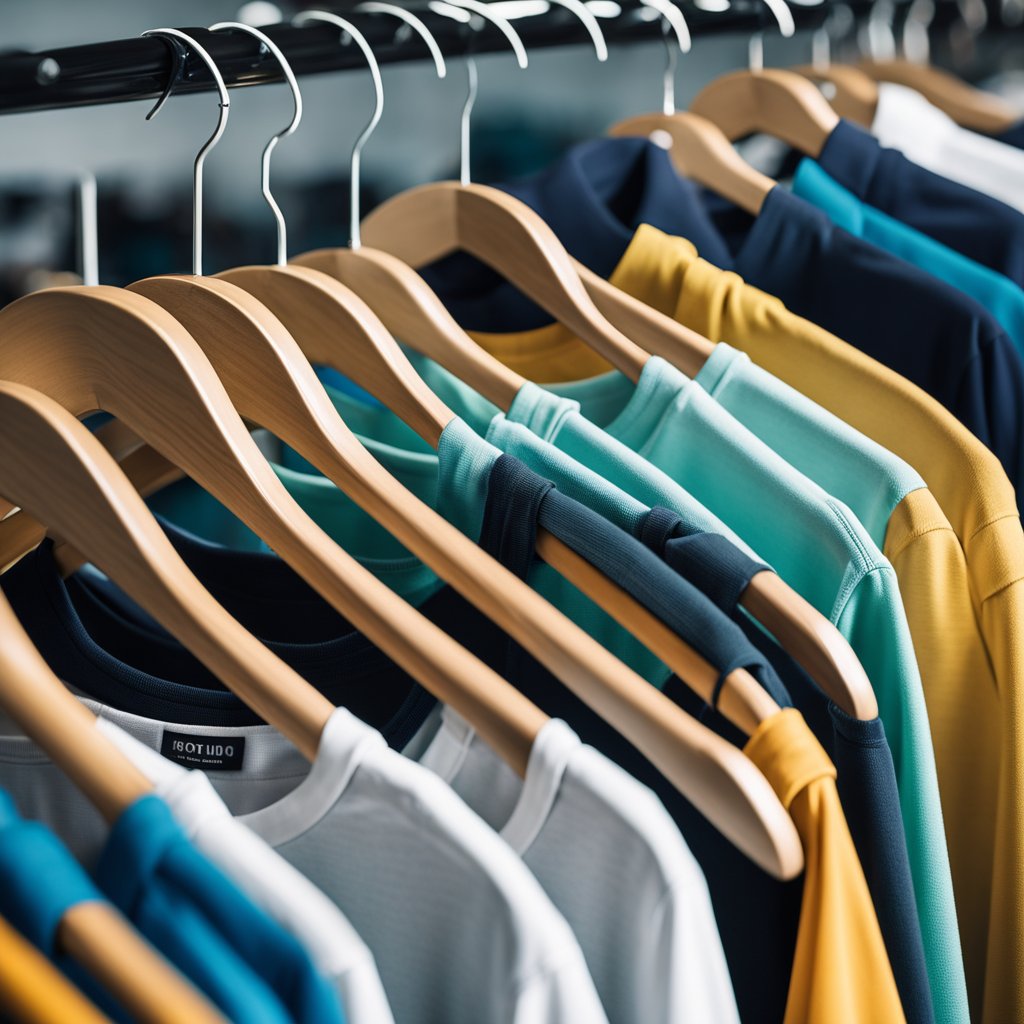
x=522, y=120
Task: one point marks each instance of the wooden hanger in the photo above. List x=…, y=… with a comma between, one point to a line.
x=969, y=106
x=811, y=639
x=334, y=327
x=423, y=224
x=854, y=94
x=715, y=775
x=104, y=348
x=93, y=934
x=771, y=101
x=706, y=769
x=415, y=313
x=702, y=153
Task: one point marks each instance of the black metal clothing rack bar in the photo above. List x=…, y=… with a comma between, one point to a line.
x=141, y=68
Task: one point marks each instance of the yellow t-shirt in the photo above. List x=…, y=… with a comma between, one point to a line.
x=32, y=989
x=841, y=972
x=958, y=552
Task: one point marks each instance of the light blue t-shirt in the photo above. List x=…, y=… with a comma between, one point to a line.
x=1003, y=298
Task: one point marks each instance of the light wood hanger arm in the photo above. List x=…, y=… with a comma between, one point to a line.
x=423, y=224
x=717, y=778
x=701, y=152
x=55, y=470
x=95, y=935
x=969, y=106
x=49, y=715
x=305, y=300
x=53, y=1000
x=854, y=93
x=411, y=311
x=117, y=351
x=773, y=101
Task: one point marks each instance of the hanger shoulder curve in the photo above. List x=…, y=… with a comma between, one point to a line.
x=778, y=102
x=743, y=700
x=320, y=310
x=854, y=94
x=425, y=223
x=813, y=642
x=969, y=106
x=700, y=151
x=411, y=311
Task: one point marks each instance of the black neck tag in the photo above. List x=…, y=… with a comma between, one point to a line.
x=210, y=753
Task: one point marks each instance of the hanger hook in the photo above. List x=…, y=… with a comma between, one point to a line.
x=222, y=122
x=916, y=44
x=880, y=37
x=414, y=23
x=355, y=164
x=672, y=16
x=590, y=23
x=457, y=10
x=787, y=27
x=668, y=95
x=289, y=75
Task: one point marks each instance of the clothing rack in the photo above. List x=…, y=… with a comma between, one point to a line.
x=142, y=68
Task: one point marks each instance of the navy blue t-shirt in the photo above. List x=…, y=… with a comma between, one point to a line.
x=933, y=334
x=866, y=776
x=988, y=231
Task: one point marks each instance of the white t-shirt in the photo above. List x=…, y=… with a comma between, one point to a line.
x=614, y=863
x=906, y=121
x=461, y=931
x=334, y=946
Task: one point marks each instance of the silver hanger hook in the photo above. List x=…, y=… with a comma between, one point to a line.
x=916, y=44
x=668, y=96
x=879, y=37
x=458, y=10
x=673, y=17
x=590, y=23
x=289, y=75
x=88, y=237
x=787, y=27
x=355, y=241
x=222, y=122
x=414, y=23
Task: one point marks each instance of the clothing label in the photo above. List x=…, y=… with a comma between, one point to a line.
x=211, y=753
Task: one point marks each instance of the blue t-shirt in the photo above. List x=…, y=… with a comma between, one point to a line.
x=198, y=918
x=40, y=881
x=970, y=222
x=938, y=337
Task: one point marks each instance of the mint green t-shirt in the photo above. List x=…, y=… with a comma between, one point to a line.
x=1003, y=298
